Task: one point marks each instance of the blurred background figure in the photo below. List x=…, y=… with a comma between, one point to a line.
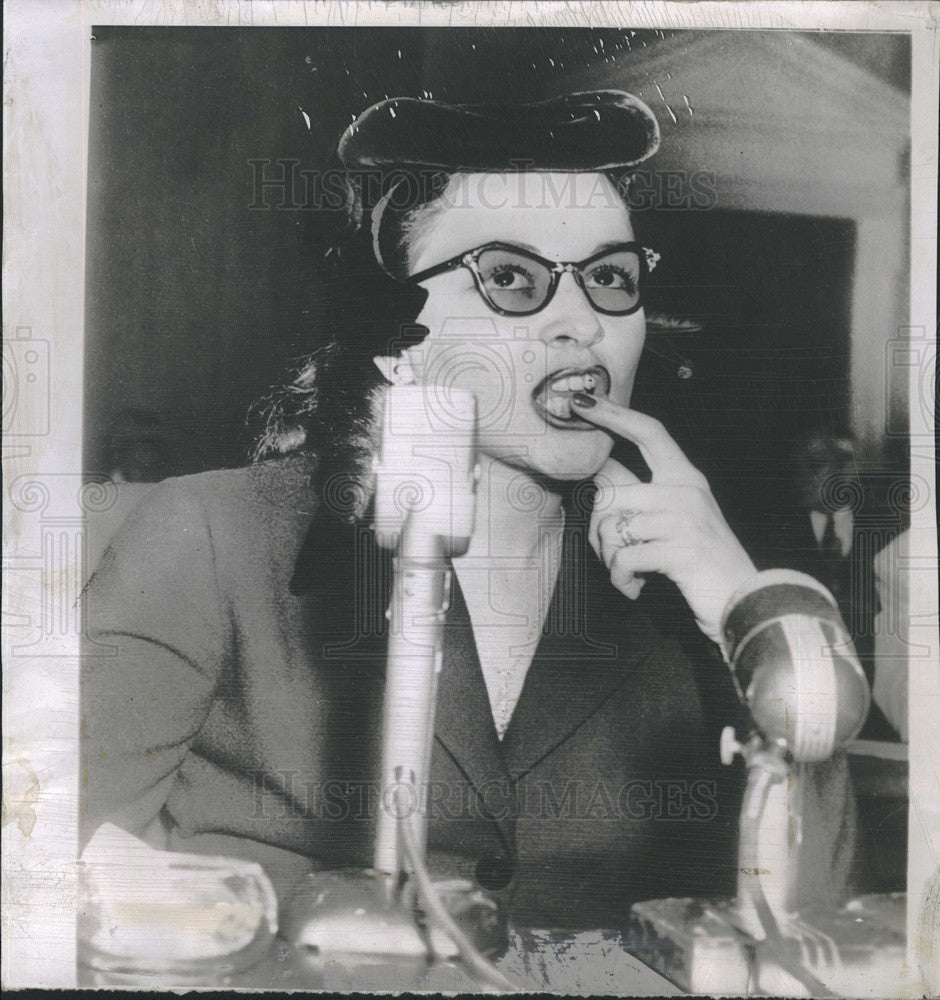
x=829, y=491
x=834, y=525
x=138, y=448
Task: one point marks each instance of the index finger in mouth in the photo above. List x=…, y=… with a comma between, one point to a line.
x=666, y=460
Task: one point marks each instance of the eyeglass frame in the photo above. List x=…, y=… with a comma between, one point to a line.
x=470, y=260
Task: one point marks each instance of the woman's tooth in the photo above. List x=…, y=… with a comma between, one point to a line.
x=581, y=382
x=558, y=406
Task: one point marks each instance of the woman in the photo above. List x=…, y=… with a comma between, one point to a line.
x=575, y=766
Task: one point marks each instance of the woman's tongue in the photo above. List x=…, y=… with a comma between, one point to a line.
x=558, y=405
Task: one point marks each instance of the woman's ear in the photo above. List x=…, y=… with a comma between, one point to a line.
x=397, y=370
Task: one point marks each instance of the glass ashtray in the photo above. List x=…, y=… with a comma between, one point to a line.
x=152, y=913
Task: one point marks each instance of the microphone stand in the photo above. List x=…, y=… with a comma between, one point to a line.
x=420, y=598
x=769, y=776
x=756, y=943
x=393, y=912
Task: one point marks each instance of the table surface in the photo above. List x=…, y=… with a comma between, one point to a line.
x=538, y=961
x=586, y=962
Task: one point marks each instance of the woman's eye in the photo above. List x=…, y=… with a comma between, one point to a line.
x=611, y=277
x=510, y=278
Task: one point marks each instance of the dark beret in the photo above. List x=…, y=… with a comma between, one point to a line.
x=591, y=131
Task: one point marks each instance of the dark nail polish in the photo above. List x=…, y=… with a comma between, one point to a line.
x=584, y=399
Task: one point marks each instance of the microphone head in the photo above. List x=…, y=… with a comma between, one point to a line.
x=795, y=664
x=807, y=688
x=426, y=470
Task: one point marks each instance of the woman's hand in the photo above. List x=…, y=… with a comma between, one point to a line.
x=678, y=526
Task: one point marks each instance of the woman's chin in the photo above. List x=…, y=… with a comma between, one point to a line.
x=566, y=462
x=572, y=474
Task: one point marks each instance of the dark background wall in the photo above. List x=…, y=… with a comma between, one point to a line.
x=196, y=301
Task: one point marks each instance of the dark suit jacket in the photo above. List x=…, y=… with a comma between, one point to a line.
x=231, y=703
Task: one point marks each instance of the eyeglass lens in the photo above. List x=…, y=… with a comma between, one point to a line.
x=517, y=284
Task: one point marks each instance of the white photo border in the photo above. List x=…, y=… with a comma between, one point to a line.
x=47, y=52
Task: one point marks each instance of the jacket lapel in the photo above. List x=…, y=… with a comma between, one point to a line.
x=349, y=579
x=464, y=724
x=593, y=639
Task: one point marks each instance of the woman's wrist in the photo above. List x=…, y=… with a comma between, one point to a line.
x=731, y=575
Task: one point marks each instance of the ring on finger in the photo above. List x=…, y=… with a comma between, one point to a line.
x=627, y=535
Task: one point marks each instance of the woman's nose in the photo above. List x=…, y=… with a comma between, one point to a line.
x=570, y=316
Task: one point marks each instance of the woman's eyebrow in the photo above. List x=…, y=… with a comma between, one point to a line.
x=608, y=245
x=600, y=248
x=523, y=246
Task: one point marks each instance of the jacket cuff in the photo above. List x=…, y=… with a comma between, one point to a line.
x=770, y=594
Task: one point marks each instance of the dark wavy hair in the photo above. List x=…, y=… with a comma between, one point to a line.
x=329, y=405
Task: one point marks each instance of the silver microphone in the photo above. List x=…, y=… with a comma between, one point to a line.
x=424, y=511
x=795, y=664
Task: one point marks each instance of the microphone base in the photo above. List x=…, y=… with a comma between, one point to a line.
x=698, y=945
x=355, y=917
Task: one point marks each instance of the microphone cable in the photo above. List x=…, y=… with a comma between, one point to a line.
x=477, y=963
